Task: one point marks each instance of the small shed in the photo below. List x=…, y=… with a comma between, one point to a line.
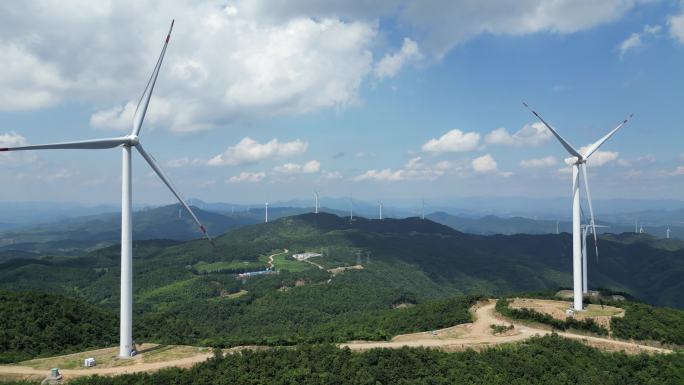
x=89, y=362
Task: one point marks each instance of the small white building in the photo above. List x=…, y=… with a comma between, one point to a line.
x=89, y=362
x=305, y=256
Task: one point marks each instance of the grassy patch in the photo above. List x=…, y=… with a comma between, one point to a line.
x=231, y=266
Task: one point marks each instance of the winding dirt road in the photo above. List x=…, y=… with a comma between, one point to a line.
x=476, y=335
x=479, y=334
x=270, y=258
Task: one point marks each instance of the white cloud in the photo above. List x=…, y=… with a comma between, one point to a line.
x=634, y=40
x=243, y=60
x=447, y=24
x=247, y=177
x=676, y=24
x=182, y=162
x=484, y=163
x=413, y=170
x=12, y=139
x=677, y=171
x=599, y=158
x=331, y=175
x=391, y=64
x=249, y=150
x=309, y=167
x=539, y=162
x=453, y=141
x=533, y=134
x=223, y=64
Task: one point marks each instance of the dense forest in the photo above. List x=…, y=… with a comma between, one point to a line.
x=546, y=360
x=34, y=325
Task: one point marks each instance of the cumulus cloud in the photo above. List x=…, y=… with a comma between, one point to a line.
x=600, y=158
x=676, y=25
x=247, y=177
x=331, y=175
x=538, y=162
x=453, y=141
x=245, y=59
x=223, y=64
x=530, y=135
x=413, y=170
x=309, y=167
x=486, y=164
x=249, y=150
x=391, y=64
x=12, y=139
x=677, y=171
x=634, y=40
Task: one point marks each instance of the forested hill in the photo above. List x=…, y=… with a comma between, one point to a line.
x=77, y=234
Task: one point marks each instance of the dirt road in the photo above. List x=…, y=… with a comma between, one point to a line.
x=479, y=334
x=270, y=258
x=472, y=335
x=135, y=368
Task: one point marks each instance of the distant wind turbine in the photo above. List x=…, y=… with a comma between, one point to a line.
x=316, y=202
x=667, y=233
x=380, y=204
x=127, y=143
x=422, y=211
x=579, y=165
x=266, y=213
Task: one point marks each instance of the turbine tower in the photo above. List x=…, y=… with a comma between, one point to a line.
x=380, y=204
x=316, y=202
x=422, y=211
x=667, y=233
x=266, y=213
x=127, y=143
x=578, y=161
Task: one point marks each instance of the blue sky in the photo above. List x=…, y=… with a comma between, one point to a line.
x=273, y=100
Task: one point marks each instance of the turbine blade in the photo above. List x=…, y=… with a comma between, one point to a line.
x=93, y=144
x=591, y=208
x=599, y=142
x=564, y=142
x=150, y=160
x=144, y=101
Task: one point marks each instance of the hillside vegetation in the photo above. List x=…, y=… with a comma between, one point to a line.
x=34, y=325
x=547, y=360
x=413, y=276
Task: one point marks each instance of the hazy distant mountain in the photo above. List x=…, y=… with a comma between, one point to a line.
x=492, y=224
x=73, y=234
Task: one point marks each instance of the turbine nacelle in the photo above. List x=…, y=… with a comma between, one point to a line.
x=133, y=140
x=573, y=160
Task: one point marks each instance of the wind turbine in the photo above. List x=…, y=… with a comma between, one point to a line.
x=667, y=233
x=422, y=210
x=316, y=202
x=126, y=143
x=380, y=204
x=266, y=213
x=579, y=165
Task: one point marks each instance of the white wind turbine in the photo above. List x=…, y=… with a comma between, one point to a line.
x=380, y=204
x=579, y=165
x=266, y=213
x=126, y=143
x=315, y=202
